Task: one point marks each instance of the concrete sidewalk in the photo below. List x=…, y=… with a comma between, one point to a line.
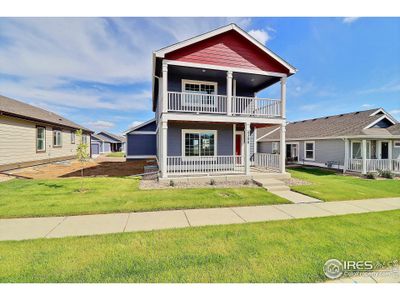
x=54, y=227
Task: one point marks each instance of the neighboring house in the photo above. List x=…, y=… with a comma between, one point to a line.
x=206, y=107
x=30, y=135
x=105, y=142
x=141, y=141
x=362, y=141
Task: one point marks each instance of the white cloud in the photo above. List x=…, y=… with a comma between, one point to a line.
x=260, y=35
x=392, y=86
x=100, y=125
x=135, y=123
x=309, y=107
x=349, y=20
x=395, y=112
x=367, y=105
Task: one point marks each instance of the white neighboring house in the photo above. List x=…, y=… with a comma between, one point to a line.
x=31, y=136
x=361, y=141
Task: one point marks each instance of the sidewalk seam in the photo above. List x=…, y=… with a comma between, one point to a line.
x=51, y=230
x=277, y=207
x=237, y=214
x=187, y=219
x=127, y=220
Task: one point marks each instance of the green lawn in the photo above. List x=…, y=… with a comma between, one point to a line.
x=280, y=251
x=24, y=198
x=330, y=186
x=116, y=154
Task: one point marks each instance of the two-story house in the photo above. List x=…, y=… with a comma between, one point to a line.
x=206, y=107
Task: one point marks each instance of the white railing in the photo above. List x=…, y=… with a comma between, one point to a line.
x=266, y=160
x=205, y=164
x=217, y=104
x=374, y=165
x=198, y=103
x=258, y=107
x=355, y=165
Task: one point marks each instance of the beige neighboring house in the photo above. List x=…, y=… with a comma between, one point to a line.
x=30, y=135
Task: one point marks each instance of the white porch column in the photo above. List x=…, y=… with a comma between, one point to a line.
x=390, y=154
x=283, y=97
x=164, y=103
x=229, y=77
x=346, y=155
x=164, y=152
x=364, y=156
x=247, y=147
x=282, y=147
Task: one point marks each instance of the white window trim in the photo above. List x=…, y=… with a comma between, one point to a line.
x=394, y=144
x=360, y=142
x=73, y=137
x=55, y=134
x=305, y=150
x=44, y=139
x=272, y=148
x=184, y=131
x=184, y=81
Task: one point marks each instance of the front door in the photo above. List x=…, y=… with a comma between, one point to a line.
x=239, y=147
x=291, y=152
x=384, y=150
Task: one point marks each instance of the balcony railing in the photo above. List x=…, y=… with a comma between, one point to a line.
x=205, y=164
x=218, y=104
x=374, y=165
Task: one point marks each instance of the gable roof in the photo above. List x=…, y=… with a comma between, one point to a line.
x=163, y=51
x=359, y=123
x=110, y=137
x=139, y=126
x=26, y=111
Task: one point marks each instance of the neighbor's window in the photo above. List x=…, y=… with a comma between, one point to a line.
x=84, y=139
x=309, y=150
x=72, y=137
x=57, y=138
x=275, y=147
x=396, y=144
x=356, y=152
x=199, y=143
x=40, y=139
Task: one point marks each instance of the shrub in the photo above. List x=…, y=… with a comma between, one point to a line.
x=386, y=174
x=370, y=175
x=171, y=183
x=212, y=182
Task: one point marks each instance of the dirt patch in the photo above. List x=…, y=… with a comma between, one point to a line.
x=4, y=177
x=155, y=184
x=101, y=166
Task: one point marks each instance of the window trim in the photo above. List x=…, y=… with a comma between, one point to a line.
x=305, y=150
x=184, y=81
x=369, y=149
x=394, y=143
x=55, y=130
x=212, y=97
x=184, y=131
x=42, y=127
x=73, y=137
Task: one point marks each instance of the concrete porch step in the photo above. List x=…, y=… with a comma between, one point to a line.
x=281, y=188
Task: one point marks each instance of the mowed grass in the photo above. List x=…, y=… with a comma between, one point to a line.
x=116, y=154
x=330, y=186
x=27, y=198
x=279, y=251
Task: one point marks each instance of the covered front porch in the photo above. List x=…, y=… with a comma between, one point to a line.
x=372, y=155
x=212, y=149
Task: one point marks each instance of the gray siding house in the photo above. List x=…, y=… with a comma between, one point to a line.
x=362, y=141
x=31, y=136
x=105, y=142
x=207, y=111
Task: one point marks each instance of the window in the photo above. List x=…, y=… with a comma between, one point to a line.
x=275, y=147
x=84, y=139
x=72, y=137
x=57, y=138
x=199, y=142
x=309, y=150
x=40, y=139
x=356, y=149
x=199, y=93
x=396, y=144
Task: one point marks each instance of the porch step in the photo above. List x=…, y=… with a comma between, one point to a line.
x=281, y=188
x=272, y=185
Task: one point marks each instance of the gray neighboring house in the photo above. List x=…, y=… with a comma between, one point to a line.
x=106, y=142
x=362, y=141
x=30, y=135
x=141, y=141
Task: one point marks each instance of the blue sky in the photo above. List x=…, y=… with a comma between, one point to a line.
x=97, y=71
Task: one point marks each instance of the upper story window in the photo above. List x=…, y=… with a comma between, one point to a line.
x=57, y=138
x=199, y=93
x=40, y=139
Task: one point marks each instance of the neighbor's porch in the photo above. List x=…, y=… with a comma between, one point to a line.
x=205, y=149
x=372, y=155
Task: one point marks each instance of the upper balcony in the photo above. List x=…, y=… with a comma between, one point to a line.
x=219, y=92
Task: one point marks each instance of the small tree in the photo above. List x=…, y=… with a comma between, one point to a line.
x=82, y=153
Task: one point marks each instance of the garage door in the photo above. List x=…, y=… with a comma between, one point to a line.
x=95, y=149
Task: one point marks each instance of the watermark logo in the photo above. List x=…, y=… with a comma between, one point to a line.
x=333, y=268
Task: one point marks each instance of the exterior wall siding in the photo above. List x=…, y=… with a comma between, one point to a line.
x=227, y=49
x=224, y=137
x=106, y=147
x=18, y=142
x=142, y=144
